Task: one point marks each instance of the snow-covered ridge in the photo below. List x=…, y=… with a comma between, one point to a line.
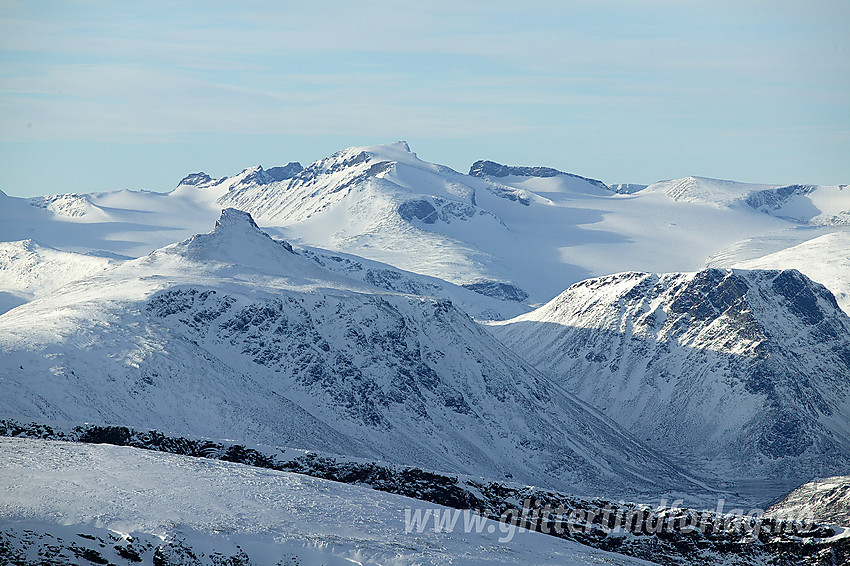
x=749, y=368
x=235, y=239
x=827, y=205
x=69, y=206
x=63, y=497
x=28, y=270
x=703, y=190
x=252, y=175
x=825, y=259
x=758, y=541
x=484, y=168
x=264, y=343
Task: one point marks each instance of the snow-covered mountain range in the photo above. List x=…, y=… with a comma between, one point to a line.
x=518, y=234
x=374, y=305
x=233, y=334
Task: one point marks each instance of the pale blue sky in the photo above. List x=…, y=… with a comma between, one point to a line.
x=99, y=96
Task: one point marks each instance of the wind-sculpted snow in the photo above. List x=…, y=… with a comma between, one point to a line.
x=748, y=369
x=232, y=334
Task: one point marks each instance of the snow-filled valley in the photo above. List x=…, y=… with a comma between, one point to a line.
x=687, y=340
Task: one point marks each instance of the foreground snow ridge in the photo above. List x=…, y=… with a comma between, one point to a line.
x=179, y=507
x=210, y=508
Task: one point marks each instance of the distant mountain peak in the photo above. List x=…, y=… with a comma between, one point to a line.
x=287, y=171
x=395, y=151
x=232, y=219
x=255, y=175
x=235, y=239
x=485, y=168
x=198, y=179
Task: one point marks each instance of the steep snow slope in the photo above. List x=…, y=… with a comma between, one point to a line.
x=74, y=492
x=747, y=369
x=27, y=270
x=826, y=259
x=490, y=231
x=232, y=334
x=823, y=501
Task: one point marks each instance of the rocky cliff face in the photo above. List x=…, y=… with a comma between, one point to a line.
x=750, y=369
x=484, y=168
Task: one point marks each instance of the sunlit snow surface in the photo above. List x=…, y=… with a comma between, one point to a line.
x=385, y=204
x=825, y=259
x=271, y=515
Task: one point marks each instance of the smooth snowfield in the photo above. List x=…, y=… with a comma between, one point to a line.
x=271, y=515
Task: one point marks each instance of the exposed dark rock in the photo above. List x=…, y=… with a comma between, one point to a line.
x=498, y=290
x=195, y=179
x=418, y=209
x=483, y=168
x=771, y=199
x=287, y=171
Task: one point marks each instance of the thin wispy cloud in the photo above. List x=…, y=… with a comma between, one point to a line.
x=673, y=71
